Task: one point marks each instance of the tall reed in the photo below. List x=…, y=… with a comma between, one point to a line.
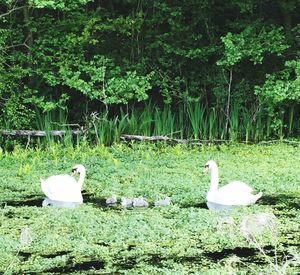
x=191, y=120
x=53, y=120
x=197, y=118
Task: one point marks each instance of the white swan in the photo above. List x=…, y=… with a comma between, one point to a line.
x=64, y=190
x=235, y=193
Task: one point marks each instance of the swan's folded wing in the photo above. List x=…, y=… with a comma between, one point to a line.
x=234, y=193
x=251, y=199
x=62, y=188
x=243, y=199
x=235, y=187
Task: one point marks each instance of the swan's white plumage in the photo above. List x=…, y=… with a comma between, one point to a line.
x=64, y=188
x=233, y=194
x=236, y=187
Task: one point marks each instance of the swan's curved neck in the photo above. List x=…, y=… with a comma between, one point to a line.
x=214, y=179
x=81, y=178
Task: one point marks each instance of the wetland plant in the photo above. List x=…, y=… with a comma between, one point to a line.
x=256, y=228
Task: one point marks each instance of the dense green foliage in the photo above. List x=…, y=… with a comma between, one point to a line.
x=84, y=56
x=182, y=238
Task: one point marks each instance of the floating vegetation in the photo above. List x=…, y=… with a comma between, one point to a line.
x=184, y=236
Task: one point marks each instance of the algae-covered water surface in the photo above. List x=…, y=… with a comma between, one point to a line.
x=181, y=238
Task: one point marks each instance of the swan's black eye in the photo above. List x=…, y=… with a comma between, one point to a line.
x=74, y=170
x=206, y=166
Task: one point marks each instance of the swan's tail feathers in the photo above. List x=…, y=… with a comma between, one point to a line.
x=46, y=202
x=252, y=199
x=257, y=196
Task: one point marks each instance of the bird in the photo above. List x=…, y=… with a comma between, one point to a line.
x=126, y=202
x=111, y=200
x=64, y=190
x=140, y=202
x=235, y=193
x=166, y=201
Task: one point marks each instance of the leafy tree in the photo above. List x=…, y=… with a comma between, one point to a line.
x=88, y=55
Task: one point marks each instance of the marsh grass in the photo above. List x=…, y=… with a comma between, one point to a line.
x=191, y=120
x=53, y=120
x=184, y=237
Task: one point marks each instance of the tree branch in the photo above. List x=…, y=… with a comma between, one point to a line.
x=227, y=110
x=12, y=10
x=16, y=45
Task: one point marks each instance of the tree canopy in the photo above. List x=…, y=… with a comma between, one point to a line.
x=86, y=55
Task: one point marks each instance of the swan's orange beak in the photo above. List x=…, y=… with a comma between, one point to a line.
x=206, y=168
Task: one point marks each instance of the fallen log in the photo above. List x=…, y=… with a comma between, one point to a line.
x=124, y=137
x=38, y=133
x=165, y=138
x=150, y=138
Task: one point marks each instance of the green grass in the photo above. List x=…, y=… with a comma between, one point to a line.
x=183, y=238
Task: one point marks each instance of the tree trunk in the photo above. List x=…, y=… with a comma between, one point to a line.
x=227, y=110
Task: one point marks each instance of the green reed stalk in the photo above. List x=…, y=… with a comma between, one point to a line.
x=168, y=121
x=189, y=120
x=132, y=122
x=247, y=125
x=120, y=126
x=146, y=120
x=196, y=114
x=158, y=123
x=291, y=120
x=221, y=124
x=212, y=124
x=234, y=123
x=181, y=125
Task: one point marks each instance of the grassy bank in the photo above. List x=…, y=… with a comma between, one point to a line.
x=182, y=238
